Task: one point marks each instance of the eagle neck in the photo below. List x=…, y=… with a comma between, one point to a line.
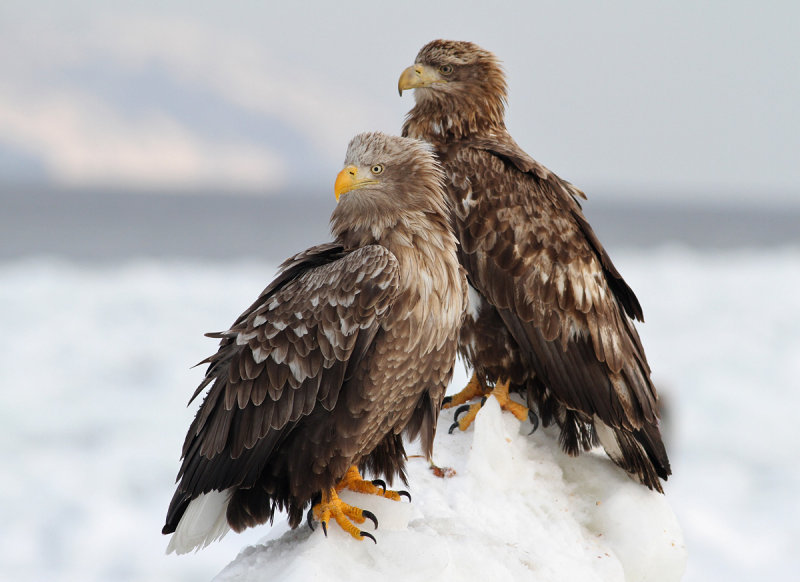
x=431, y=282
x=416, y=239
x=439, y=121
x=423, y=244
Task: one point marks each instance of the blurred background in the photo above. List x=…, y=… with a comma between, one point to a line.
x=158, y=160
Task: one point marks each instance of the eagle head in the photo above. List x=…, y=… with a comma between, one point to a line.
x=386, y=180
x=463, y=81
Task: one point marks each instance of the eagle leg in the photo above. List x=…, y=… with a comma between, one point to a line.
x=353, y=481
x=473, y=389
x=500, y=392
x=343, y=514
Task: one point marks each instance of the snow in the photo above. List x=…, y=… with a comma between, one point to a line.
x=95, y=374
x=517, y=508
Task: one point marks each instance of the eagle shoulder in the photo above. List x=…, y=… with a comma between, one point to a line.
x=525, y=241
x=290, y=349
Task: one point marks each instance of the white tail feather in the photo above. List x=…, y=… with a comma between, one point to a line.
x=203, y=522
x=608, y=439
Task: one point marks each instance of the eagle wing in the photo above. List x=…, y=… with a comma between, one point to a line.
x=290, y=351
x=529, y=250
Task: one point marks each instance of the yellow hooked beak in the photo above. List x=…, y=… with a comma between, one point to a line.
x=348, y=179
x=417, y=76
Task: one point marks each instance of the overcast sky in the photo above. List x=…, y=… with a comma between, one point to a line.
x=640, y=99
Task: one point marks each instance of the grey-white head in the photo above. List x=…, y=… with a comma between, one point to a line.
x=387, y=179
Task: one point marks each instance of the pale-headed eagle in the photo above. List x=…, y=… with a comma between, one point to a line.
x=549, y=316
x=352, y=344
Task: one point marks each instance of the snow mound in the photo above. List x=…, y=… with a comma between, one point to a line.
x=517, y=508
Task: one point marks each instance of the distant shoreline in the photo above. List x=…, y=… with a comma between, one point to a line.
x=103, y=226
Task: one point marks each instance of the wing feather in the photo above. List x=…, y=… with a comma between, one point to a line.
x=288, y=352
x=528, y=249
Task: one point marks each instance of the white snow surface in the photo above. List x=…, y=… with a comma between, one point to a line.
x=95, y=374
x=517, y=508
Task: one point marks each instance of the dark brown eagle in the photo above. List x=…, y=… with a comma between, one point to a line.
x=352, y=343
x=549, y=315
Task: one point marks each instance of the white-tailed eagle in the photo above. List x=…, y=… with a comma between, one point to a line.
x=352, y=344
x=550, y=316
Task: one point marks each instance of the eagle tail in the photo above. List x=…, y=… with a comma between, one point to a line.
x=639, y=452
x=203, y=521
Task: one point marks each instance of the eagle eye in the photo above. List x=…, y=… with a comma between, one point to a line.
x=376, y=169
x=446, y=69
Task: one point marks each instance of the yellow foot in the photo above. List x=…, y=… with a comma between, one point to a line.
x=473, y=389
x=500, y=392
x=342, y=513
x=353, y=481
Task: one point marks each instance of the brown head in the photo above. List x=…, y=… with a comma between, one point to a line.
x=387, y=181
x=460, y=89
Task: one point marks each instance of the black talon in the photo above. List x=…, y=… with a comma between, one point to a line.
x=534, y=418
x=460, y=410
x=325, y=528
x=447, y=400
x=405, y=494
x=453, y=427
x=314, y=501
x=368, y=535
x=369, y=515
x=380, y=483
x=483, y=401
